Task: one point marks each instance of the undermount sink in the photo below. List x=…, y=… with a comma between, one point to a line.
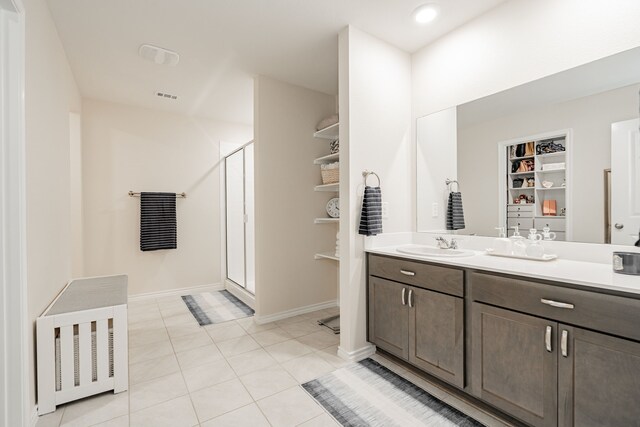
x=423, y=250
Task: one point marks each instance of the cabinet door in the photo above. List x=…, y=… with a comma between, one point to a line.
x=599, y=379
x=436, y=339
x=515, y=364
x=388, y=316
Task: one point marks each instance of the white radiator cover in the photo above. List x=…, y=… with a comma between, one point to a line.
x=76, y=359
x=82, y=342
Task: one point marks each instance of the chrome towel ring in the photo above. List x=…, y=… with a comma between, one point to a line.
x=450, y=183
x=366, y=174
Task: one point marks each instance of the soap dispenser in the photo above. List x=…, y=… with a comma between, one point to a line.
x=501, y=244
x=535, y=248
x=517, y=243
x=547, y=234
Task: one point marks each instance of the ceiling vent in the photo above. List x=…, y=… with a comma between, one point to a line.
x=159, y=55
x=166, y=95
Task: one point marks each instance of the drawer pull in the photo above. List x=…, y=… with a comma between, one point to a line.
x=563, y=343
x=547, y=339
x=557, y=304
x=403, y=292
x=407, y=273
x=410, y=297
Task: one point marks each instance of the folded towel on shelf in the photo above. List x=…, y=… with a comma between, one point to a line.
x=371, y=217
x=455, y=214
x=325, y=123
x=158, y=222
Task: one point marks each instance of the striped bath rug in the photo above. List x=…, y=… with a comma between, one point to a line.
x=368, y=394
x=216, y=307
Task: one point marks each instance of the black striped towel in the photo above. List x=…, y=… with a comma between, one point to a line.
x=371, y=217
x=158, y=224
x=455, y=214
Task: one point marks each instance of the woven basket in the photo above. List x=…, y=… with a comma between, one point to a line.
x=330, y=176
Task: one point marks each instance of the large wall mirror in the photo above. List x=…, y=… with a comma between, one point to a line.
x=561, y=153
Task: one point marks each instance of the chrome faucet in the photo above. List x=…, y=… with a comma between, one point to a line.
x=445, y=244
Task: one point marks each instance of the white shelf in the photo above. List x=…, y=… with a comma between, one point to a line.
x=522, y=188
x=326, y=220
x=327, y=159
x=326, y=255
x=552, y=171
x=330, y=132
x=335, y=187
x=555, y=155
x=550, y=189
x=513, y=159
x=522, y=173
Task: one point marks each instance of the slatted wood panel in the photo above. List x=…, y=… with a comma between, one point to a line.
x=85, y=353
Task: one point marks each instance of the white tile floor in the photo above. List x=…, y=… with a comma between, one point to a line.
x=236, y=373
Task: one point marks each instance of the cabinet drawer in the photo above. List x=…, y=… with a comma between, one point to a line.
x=555, y=224
x=523, y=223
x=520, y=208
x=519, y=215
x=607, y=313
x=446, y=280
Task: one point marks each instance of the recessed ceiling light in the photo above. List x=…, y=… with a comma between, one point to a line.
x=425, y=13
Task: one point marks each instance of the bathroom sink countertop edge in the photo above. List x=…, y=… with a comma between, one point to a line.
x=585, y=274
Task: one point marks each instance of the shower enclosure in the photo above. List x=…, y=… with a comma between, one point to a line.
x=240, y=220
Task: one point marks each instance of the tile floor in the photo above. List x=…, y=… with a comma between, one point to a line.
x=236, y=373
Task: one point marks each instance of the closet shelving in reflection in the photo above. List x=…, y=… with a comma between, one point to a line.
x=530, y=184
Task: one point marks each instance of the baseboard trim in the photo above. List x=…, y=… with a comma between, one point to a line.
x=177, y=292
x=357, y=355
x=33, y=417
x=241, y=293
x=295, y=312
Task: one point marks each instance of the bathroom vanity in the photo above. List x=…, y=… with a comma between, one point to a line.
x=546, y=352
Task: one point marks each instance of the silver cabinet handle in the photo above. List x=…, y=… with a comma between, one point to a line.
x=563, y=343
x=403, y=300
x=547, y=339
x=407, y=273
x=557, y=304
x=410, y=297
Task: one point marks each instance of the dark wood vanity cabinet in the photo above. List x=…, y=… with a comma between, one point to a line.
x=543, y=371
x=545, y=353
x=389, y=316
x=411, y=320
x=514, y=363
x=599, y=380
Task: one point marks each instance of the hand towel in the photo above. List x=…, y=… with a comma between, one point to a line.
x=158, y=223
x=455, y=214
x=371, y=217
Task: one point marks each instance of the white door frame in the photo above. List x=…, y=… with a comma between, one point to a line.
x=14, y=407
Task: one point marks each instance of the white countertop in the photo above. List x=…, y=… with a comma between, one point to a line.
x=588, y=274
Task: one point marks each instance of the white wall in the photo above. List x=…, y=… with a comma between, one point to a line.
x=50, y=94
x=286, y=239
x=130, y=148
x=590, y=118
x=435, y=133
x=515, y=43
x=375, y=134
x=75, y=171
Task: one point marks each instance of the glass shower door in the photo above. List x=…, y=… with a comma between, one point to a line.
x=240, y=218
x=234, y=171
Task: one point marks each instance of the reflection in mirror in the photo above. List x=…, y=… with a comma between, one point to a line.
x=534, y=156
